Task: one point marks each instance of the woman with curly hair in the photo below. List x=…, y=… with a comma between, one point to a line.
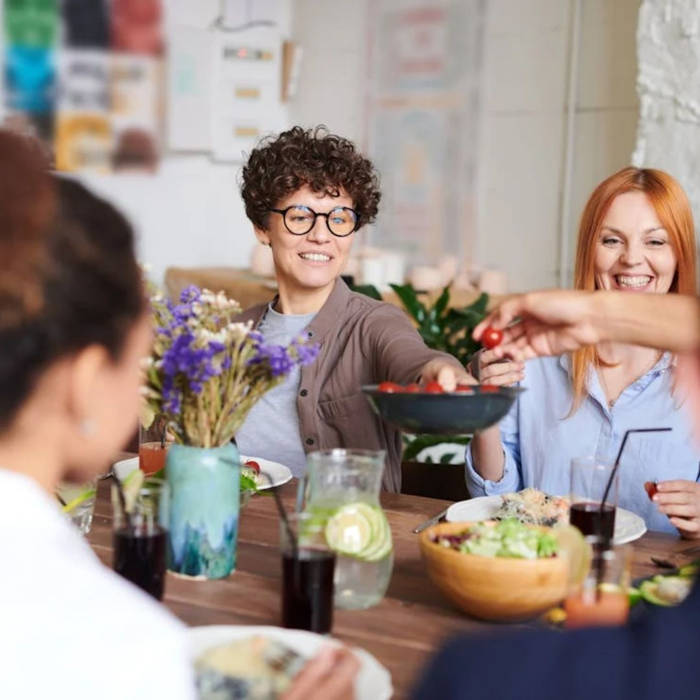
x=306, y=193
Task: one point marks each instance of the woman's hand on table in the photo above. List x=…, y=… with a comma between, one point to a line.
x=680, y=501
x=446, y=374
x=330, y=675
x=491, y=369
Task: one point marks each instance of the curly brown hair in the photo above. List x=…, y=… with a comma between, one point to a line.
x=327, y=163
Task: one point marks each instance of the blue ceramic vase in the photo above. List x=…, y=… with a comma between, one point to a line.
x=204, y=505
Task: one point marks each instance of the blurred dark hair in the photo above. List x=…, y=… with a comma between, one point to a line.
x=79, y=282
x=325, y=162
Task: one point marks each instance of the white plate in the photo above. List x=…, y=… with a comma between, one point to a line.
x=373, y=680
x=628, y=525
x=278, y=472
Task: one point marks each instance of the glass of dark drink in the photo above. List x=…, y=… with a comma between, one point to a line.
x=308, y=566
x=589, y=479
x=140, y=535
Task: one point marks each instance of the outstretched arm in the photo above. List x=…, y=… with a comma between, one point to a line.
x=558, y=321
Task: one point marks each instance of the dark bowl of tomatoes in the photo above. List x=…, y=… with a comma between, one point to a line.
x=429, y=409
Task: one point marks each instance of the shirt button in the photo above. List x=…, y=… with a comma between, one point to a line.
x=303, y=392
x=309, y=441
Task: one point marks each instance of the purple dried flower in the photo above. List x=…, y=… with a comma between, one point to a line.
x=190, y=294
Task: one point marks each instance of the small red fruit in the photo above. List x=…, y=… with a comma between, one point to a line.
x=434, y=388
x=390, y=388
x=412, y=388
x=489, y=389
x=465, y=388
x=491, y=337
x=650, y=488
x=252, y=464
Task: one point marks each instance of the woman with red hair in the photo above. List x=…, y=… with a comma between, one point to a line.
x=637, y=236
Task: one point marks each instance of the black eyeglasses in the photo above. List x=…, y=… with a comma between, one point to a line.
x=298, y=219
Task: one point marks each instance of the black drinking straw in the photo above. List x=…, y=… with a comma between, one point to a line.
x=605, y=541
x=283, y=514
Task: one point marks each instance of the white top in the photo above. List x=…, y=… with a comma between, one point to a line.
x=69, y=627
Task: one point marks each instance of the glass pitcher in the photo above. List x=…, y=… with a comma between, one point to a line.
x=341, y=491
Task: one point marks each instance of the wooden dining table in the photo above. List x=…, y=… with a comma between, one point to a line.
x=403, y=631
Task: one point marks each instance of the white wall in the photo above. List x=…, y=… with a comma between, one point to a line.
x=669, y=86
x=526, y=53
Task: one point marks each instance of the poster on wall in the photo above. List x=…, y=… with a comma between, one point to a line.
x=245, y=89
x=30, y=36
x=83, y=140
x=135, y=111
x=189, y=89
x=85, y=76
x=422, y=116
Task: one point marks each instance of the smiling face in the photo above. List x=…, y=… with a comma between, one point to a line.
x=633, y=251
x=308, y=264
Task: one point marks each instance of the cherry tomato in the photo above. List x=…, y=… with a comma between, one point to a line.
x=491, y=337
x=390, y=388
x=433, y=388
x=489, y=389
x=465, y=388
x=650, y=488
x=412, y=388
x=252, y=464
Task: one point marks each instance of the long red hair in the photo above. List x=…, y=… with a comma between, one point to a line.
x=673, y=209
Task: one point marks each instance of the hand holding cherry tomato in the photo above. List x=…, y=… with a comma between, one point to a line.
x=491, y=337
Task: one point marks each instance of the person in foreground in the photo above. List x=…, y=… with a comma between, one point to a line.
x=652, y=657
x=73, y=328
x=307, y=193
x=636, y=236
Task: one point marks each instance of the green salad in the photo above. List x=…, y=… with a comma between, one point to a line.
x=507, y=538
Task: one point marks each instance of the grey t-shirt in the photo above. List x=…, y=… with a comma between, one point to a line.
x=271, y=430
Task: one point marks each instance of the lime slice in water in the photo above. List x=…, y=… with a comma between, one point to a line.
x=80, y=498
x=131, y=485
x=576, y=550
x=349, y=530
x=359, y=530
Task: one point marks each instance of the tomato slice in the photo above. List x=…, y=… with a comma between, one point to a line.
x=491, y=338
x=252, y=464
x=433, y=388
x=489, y=389
x=390, y=388
x=412, y=388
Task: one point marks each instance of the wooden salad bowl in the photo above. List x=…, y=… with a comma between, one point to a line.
x=493, y=588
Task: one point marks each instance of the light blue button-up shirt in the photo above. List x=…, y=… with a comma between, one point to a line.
x=540, y=441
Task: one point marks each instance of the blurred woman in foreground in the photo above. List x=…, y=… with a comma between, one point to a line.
x=636, y=236
x=73, y=328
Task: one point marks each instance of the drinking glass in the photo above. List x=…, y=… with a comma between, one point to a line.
x=153, y=445
x=344, y=485
x=78, y=502
x=308, y=566
x=589, y=479
x=139, y=536
x=601, y=598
